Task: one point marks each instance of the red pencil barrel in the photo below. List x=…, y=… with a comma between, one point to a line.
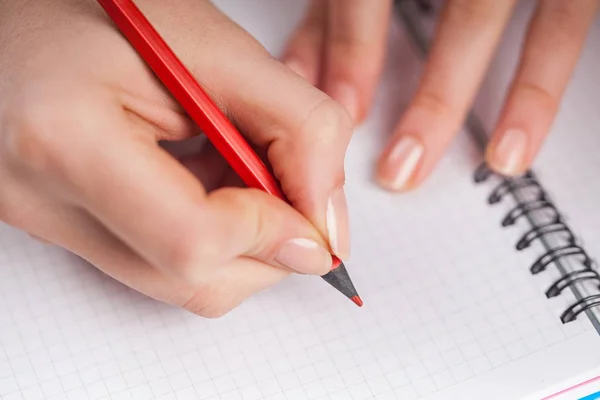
x=188, y=92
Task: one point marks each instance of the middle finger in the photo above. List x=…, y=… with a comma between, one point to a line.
x=464, y=43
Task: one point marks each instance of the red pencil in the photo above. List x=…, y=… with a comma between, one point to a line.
x=218, y=129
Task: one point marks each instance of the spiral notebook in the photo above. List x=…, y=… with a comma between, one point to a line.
x=475, y=287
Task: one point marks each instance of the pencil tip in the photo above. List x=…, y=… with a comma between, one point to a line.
x=338, y=278
x=357, y=300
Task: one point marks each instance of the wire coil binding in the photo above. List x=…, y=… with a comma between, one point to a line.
x=552, y=224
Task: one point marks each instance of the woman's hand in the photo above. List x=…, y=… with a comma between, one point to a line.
x=81, y=118
x=340, y=48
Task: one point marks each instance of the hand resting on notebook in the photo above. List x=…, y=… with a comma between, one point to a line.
x=340, y=47
x=81, y=118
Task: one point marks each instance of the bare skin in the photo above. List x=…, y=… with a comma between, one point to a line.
x=340, y=47
x=80, y=121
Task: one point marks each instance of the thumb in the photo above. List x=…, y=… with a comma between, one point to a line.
x=304, y=132
x=252, y=223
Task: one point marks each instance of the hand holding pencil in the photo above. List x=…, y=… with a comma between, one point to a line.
x=81, y=116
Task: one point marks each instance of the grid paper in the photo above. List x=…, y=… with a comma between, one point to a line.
x=450, y=308
x=573, y=139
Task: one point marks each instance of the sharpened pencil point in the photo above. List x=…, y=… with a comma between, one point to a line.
x=338, y=278
x=357, y=300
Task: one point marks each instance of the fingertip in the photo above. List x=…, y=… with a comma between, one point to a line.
x=398, y=165
x=304, y=256
x=337, y=224
x=388, y=187
x=507, y=152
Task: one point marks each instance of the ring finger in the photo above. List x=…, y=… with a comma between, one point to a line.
x=554, y=40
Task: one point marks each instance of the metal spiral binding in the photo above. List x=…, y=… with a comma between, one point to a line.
x=553, y=224
x=527, y=207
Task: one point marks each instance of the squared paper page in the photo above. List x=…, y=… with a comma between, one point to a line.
x=568, y=164
x=451, y=311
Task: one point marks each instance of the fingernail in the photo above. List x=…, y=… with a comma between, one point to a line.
x=305, y=256
x=337, y=224
x=297, y=68
x=348, y=96
x=401, y=163
x=509, y=154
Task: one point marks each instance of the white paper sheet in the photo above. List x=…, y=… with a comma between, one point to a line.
x=451, y=310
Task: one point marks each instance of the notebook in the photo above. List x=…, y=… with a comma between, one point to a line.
x=452, y=309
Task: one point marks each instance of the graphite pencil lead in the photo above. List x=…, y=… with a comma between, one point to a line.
x=339, y=278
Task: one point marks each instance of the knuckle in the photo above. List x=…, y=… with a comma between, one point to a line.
x=472, y=14
x=257, y=218
x=207, y=302
x=565, y=18
x=191, y=253
x=33, y=136
x=201, y=245
x=247, y=203
x=314, y=20
x=347, y=43
x=318, y=146
x=433, y=104
x=325, y=123
x=532, y=92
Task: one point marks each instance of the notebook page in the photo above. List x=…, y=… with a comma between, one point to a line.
x=567, y=164
x=450, y=310
x=575, y=140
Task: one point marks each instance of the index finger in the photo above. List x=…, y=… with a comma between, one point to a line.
x=305, y=133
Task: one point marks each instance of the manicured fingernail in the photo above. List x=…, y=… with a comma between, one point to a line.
x=348, y=96
x=401, y=163
x=509, y=154
x=305, y=256
x=337, y=224
x=297, y=67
